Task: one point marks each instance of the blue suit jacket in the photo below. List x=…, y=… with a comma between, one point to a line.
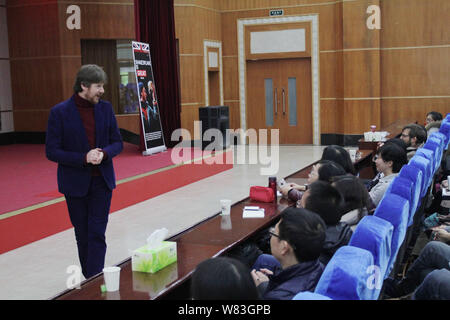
x=67, y=144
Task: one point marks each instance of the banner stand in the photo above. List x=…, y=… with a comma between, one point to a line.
x=148, y=101
x=151, y=151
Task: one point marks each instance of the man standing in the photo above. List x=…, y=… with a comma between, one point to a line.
x=414, y=136
x=83, y=137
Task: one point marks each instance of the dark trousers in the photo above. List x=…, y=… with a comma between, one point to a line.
x=89, y=216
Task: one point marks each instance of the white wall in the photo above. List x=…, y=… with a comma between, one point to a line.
x=6, y=119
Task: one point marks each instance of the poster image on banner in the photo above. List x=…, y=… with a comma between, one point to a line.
x=148, y=101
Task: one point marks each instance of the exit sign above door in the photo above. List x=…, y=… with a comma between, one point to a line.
x=278, y=12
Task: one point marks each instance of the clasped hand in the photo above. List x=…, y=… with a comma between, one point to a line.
x=95, y=156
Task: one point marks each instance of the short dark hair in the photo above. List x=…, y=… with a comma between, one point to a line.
x=326, y=201
x=223, y=278
x=87, y=75
x=417, y=131
x=304, y=231
x=437, y=116
x=355, y=194
x=329, y=169
x=392, y=152
x=398, y=142
x=339, y=155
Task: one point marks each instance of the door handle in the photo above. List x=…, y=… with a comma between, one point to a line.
x=284, y=102
x=276, y=101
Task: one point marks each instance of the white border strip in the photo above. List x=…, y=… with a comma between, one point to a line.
x=314, y=19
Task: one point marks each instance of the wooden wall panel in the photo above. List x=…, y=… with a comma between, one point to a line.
x=130, y=122
x=394, y=109
x=230, y=78
x=356, y=33
x=189, y=114
x=329, y=112
x=30, y=120
x=31, y=35
x=407, y=23
x=416, y=72
x=328, y=75
x=192, y=79
x=361, y=74
x=360, y=115
x=36, y=83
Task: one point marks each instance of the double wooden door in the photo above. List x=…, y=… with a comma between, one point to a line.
x=279, y=97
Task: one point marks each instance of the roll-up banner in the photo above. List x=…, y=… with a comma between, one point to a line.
x=148, y=101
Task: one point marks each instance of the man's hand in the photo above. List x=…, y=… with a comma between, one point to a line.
x=95, y=156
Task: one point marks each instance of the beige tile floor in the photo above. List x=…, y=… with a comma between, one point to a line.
x=40, y=270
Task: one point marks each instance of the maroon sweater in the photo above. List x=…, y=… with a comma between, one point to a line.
x=86, y=110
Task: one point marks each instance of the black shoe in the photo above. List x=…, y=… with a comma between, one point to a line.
x=392, y=288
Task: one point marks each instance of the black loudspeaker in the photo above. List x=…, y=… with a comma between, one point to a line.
x=215, y=117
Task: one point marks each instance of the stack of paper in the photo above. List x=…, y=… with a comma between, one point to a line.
x=253, y=212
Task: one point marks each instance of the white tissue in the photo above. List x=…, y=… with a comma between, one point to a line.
x=155, y=239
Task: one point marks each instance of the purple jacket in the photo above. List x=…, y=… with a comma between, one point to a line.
x=67, y=144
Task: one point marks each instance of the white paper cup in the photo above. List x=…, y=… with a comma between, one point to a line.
x=225, y=222
x=112, y=278
x=352, y=153
x=225, y=206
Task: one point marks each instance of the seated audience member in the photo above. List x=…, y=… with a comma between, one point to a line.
x=296, y=242
x=339, y=155
x=414, y=136
x=325, y=200
x=422, y=277
x=433, y=122
x=223, y=278
x=399, y=142
x=389, y=159
x=324, y=170
x=357, y=202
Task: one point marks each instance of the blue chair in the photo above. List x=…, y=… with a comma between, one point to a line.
x=436, y=145
x=375, y=235
x=345, y=277
x=394, y=209
x=445, y=129
x=423, y=165
x=306, y=295
x=440, y=136
x=430, y=156
x=405, y=188
x=415, y=176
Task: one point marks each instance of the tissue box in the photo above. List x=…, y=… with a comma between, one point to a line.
x=152, y=260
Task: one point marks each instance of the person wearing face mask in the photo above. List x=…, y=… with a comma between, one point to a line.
x=83, y=137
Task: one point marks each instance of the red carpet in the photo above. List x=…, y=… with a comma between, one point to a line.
x=28, y=178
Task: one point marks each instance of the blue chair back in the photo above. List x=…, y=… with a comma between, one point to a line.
x=423, y=165
x=415, y=176
x=435, y=144
x=394, y=209
x=405, y=188
x=306, y=295
x=430, y=156
x=345, y=277
x=445, y=130
x=375, y=235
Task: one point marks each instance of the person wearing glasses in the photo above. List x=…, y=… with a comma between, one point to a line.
x=433, y=122
x=296, y=243
x=414, y=136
